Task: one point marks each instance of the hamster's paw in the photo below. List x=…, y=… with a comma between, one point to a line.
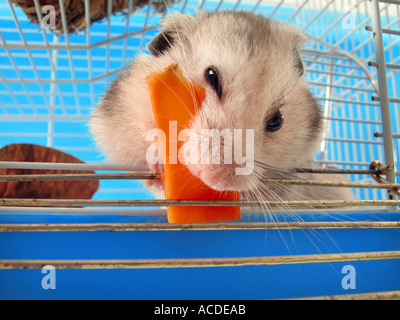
x=155, y=184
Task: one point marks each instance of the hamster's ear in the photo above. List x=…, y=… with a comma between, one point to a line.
x=298, y=63
x=172, y=29
x=161, y=43
x=295, y=38
x=298, y=38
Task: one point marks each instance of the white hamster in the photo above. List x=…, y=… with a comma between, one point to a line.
x=251, y=69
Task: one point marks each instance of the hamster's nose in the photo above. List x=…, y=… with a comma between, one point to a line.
x=219, y=179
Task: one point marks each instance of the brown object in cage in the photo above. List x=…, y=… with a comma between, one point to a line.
x=75, y=10
x=77, y=189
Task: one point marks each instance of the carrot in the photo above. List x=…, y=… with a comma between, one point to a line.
x=174, y=99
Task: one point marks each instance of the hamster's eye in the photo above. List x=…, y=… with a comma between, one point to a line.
x=212, y=77
x=275, y=122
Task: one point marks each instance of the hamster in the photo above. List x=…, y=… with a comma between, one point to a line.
x=251, y=69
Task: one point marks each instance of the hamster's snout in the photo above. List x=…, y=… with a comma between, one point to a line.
x=219, y=177
x=222, y=159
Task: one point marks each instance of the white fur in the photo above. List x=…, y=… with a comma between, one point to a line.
x=256, y=60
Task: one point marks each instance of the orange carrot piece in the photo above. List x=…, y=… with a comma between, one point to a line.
x=174, y=99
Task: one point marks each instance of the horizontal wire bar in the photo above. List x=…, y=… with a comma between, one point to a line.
x=87, y=211
x=199, y=262
x=191, y=203
x=384, y=295
x=152, y=176
x=44, y=134
x=390, y=2
x=362, y=142
x=82, y=118
x=336, y=171
x=341, y=74
x=340, y=184
x=345, y=163
x=348, y=101
x=394, y=100
x=112, y=167
x=72, y=81
x=326, y=63
x=62, y=166
x=388, y=65
x=353, y=120
x=82, y=176
x=380, y=135
x=64, y=227
x=385, y=30
x=154, y=212
x=328, y=54
x=321, y=84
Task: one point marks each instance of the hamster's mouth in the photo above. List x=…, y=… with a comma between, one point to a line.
x=221, y=177
x=156, y=183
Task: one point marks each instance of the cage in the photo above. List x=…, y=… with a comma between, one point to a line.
x=118, y=244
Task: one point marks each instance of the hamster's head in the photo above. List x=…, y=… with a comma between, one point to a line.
x=258, y=116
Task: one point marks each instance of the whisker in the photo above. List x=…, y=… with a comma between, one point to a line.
x=296, y=216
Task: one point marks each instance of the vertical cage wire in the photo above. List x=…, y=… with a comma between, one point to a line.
x=383, y=92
